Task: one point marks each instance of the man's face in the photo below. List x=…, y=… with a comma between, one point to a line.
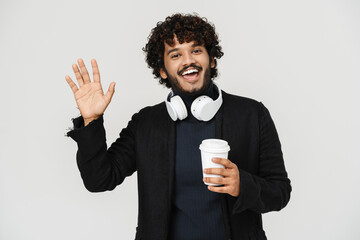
x=187, y=66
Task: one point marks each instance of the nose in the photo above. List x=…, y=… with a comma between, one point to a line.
x=188, y=59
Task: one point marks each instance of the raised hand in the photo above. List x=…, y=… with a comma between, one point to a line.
x=89, y=97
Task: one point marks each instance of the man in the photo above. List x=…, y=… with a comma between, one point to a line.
x=161, y=143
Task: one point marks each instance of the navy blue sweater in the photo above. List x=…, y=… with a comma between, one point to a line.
x=196, y=212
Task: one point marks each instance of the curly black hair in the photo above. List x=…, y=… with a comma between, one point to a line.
x=186, y=28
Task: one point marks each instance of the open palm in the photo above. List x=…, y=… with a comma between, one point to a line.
x=89, y=97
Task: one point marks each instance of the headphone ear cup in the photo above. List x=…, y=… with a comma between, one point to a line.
x=171, y=111
x=200, y=109
x=178, y=107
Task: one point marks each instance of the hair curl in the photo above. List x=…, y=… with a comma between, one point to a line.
x=186, y=28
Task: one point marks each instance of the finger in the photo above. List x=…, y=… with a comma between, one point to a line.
x=216, y=180
x=78, y=75
x=218, y=171
x=84, y=72
x=72, y=85
x=224, y=189
x=225, y=162
x=110, y=92
x=95, y=70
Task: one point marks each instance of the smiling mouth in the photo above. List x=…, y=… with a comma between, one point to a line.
x=190, y=73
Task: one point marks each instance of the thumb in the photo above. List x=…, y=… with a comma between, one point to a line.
x=110, y=91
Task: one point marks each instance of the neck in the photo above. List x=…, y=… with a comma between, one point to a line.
x=210, y=91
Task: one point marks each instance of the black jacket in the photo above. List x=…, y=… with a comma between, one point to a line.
x=147, y=145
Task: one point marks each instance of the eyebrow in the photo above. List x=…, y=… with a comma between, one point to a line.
x=176, y=49
x=172, y=50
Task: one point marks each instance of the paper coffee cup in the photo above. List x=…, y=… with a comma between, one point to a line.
x=213, y=148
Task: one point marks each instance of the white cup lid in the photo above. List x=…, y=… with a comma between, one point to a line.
x=214, y=146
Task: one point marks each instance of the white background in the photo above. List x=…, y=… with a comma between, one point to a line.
x=300, y=58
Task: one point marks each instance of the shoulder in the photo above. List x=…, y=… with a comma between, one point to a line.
x=154, y=109
x=231, y=101
x=151, y=113
x=244, y=106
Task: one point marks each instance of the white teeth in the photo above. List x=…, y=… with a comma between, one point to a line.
x=190, y=71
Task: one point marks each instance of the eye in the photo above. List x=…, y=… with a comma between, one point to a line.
x=174, y=56
x=197, y=51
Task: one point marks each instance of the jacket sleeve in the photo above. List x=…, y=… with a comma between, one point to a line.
x=268, y=190
x=103, y=169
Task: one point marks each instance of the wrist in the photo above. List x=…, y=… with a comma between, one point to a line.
x=88, y=120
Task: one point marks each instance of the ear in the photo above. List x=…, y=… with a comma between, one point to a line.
x=163, y=73
x=212, y=64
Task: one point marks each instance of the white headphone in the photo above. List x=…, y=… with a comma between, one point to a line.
x=203, y=108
